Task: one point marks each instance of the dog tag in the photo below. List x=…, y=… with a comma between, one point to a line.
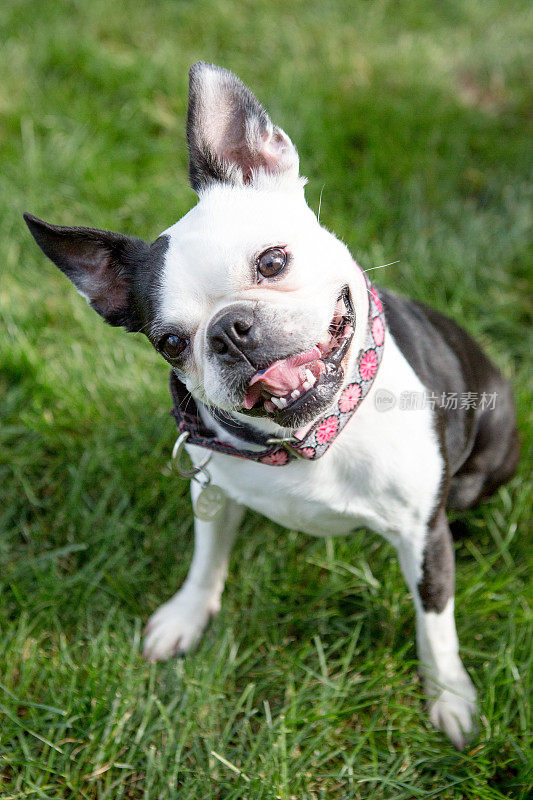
x=209, y=503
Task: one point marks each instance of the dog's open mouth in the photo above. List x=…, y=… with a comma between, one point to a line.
x=293, y=383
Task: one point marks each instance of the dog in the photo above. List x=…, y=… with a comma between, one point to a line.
x=290, y=373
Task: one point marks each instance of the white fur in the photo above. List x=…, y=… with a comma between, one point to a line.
x=453, y=709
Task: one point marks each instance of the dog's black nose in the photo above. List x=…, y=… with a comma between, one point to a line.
x=232, y=333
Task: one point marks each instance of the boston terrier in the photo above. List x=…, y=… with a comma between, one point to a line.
x=300, y=390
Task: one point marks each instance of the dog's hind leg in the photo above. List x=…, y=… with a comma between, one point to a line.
x=430, y=574
x=177, y=626
x=495, y=451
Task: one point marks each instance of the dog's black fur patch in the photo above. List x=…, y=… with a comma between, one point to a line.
x=118, y=274
x=437, y=584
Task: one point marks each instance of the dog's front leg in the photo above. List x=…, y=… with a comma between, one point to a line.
x=177, y=626
x=430, y=575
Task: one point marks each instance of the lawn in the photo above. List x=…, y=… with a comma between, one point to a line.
x=411, y=122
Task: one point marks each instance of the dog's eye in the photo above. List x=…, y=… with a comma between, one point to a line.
x=172, y=346
x=271, y=262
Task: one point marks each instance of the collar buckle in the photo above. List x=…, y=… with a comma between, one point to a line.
x=287, y=442
x=280, y=440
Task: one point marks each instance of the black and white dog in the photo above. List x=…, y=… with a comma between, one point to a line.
x=298, y=371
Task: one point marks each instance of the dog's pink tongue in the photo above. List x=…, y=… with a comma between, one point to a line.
x=280, y=377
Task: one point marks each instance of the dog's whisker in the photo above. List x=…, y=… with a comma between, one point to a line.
x=218, y=418
x=369, y=269
x=320, y=203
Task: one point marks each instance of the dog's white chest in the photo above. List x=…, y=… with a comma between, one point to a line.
x=303, y=497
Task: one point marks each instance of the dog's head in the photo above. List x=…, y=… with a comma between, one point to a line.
x=247, y=297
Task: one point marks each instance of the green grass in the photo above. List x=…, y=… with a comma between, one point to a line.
x=411, y=116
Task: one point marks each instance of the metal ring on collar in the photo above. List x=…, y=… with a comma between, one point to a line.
x=177, y=450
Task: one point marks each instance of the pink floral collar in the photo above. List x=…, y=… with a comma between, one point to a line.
x=317, y=440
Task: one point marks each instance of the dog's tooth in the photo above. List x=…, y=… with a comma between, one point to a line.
x=277, y=401
x=295, y=394
x=311, y=380
x=282, y=403
x=306, y=385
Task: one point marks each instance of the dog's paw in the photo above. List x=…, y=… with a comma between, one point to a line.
x=177, y=626
x=454, y=712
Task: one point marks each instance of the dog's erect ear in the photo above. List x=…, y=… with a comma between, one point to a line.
x=230, y=135
x=100, y=264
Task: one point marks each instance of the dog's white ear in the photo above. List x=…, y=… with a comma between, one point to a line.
x=100, y=264
x=231, y=137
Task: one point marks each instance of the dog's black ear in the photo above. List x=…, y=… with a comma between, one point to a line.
x=100, y=264
x=231, y=138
